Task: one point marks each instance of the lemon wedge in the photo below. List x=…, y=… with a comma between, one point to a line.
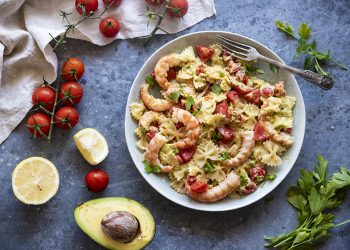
x=35, y=181
x=92, y=145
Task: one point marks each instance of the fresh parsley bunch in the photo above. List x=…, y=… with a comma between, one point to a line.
x=314, y=58
x=313, y=197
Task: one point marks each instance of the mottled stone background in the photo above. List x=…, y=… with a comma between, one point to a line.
x=110, y=71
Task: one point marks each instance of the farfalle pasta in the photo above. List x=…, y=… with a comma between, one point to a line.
x=217, y=129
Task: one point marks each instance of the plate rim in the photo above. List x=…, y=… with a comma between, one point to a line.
x=209, y=208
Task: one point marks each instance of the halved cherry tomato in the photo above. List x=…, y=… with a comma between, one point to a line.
x=70, y=93
x=199, y=186
x=266, y=92
x=171, y=74
x=85, y=7
x=250, y=188
x=227, y=134
x=260, y=133
x=154, y=2
x=66, y=117
x=258, y=173
x=39, y=124
x=245, y=79
x=109, y=26
x=204, y=53
x=253, y=97
x=45, y=97
x=186, y=154
x=96, y=180
x=232, y=96
x=114, y=3
x=73, y=69
x=221, y=108
x=177, y=8
x=200, y=69
x=191, y=179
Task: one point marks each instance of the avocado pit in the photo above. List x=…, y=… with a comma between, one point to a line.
x=121, y=226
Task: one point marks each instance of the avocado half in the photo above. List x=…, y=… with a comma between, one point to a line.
x=88, y=216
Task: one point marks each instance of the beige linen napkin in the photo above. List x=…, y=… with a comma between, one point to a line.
x=26, y=55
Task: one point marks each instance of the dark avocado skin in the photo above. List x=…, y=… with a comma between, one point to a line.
x=141, y=213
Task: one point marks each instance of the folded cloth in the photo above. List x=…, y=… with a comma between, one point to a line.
x=26, y=55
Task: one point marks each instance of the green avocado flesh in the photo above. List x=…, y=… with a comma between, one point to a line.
x=88, y=216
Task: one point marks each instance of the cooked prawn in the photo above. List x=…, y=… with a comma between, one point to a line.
x=192, y=127
x=218, y=192
x=283, y=138
x=151, y=116
x=153, y=103
x=152, y=152
x=244, y=152
x=162, y=68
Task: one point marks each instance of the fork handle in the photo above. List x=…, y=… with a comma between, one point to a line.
x=324, y=82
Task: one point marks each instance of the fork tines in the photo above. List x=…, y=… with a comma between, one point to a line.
x=237, y=49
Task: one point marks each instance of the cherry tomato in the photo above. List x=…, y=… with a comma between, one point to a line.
x=38, y=124
x=221, y=108
x=186, y=154
x=154, y=2
x=260, y=133
x=253, y=97
x=73, y=69
x=45, y=97
x=227, y=134
x=150, y=134
x=109, y=26
x=199, y=186
x=258, y=173
x=96, y=180
x=245, y=79
x=204, y=53
x=200, y=69
x=66, y=118
x=191, y=179
x=70, y=93
x=250, y=188
x=85, y=7
x=177, y=8
x=266, y=92
x=232, y=96
x=171, y=74
x=242, y=90
x=114, y=3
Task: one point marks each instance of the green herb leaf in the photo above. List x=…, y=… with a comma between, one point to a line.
x=189, y=102
x=223, y=156
x=274, y=69
x=216, y=89
x=251, y=69
x=143, y=130
x=176, y=150
x=308, y=62
x=216, y=136
x=174, y=96
x=304, y=31
x=222, y=74
x=287, y=28
x=208, y=167
x=271, y=177
x=150, y=80
x=151, y=169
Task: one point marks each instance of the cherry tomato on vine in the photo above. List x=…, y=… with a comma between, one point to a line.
x=109, y=26
x=96, y=180
x=45, y=97
x=113, y=3
x=73, y=69
x=70, y=93
x=66, y=118
x=154, y=2
x=84, y=7
x=177, y=8
x=38, y=124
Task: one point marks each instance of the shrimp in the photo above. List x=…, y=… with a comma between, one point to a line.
x=162, y=68
x=279, y=89
x=283, y=138
x=192, y=127
x=152, y=152
x=151, y=116
x=153, y=103
x=218, y=192
x=244, y=152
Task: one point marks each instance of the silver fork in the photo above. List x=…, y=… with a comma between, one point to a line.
x=248, y=53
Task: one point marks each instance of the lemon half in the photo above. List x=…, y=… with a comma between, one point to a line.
x=92, y=145
x=35, y=181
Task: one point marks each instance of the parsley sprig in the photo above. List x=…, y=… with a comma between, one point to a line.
x=313, y=197
x=314, y=58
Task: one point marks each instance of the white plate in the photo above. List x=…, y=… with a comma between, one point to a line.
x=161, y=184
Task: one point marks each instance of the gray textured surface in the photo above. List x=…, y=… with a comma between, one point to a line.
x=110, y=71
